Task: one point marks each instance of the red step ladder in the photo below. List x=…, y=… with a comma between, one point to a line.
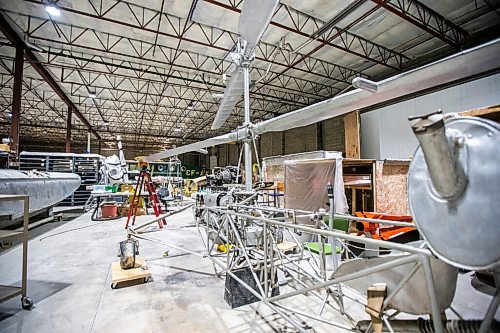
x=144, y=178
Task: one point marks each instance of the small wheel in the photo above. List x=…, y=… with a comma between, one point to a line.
x=113, y=286
x=26, y=303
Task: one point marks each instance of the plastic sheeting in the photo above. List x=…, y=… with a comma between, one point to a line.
x=306, y=181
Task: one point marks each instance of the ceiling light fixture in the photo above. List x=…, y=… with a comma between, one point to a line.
x=52, y=9
x=190, y=105
x=106, y=123
x=177, y=129
x=217, y=95
x=92, y=94
x=365, y=84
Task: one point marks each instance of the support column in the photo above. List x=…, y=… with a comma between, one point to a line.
x=88, y=141
x=247, y=141
x=16, y=102
x=68, y=130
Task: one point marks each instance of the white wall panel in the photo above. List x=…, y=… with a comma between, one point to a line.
x=385, y=133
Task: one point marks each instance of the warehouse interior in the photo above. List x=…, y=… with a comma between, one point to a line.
x=249, y=166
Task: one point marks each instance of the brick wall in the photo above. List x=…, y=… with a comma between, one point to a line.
x=297, y=140
x=333, y=134
x=271, y=144
x=302, y=139
x=233, y=154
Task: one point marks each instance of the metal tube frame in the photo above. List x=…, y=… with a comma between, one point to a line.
x=237, y=215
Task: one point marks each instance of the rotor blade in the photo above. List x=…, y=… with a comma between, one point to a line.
x=254, y=19
x=218, y=140
x=472, y=63
x=232, y=95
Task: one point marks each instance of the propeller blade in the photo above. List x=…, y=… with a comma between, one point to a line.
x=232, y=95
x=254, y=19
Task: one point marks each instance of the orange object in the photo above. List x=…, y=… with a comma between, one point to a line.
x=109, y=210
x=280, y=186
x=142, y=165
x=383, y=232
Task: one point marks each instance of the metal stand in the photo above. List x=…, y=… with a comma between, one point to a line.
x=7, y=292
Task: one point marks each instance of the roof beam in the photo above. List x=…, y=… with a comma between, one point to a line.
x=349, y=42
x=14, y=38
x=16, y=101
x=212, y=37
x=426, y=19
x=63, y=128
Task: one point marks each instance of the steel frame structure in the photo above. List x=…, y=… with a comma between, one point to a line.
x=235, y=217
x=321, y=285
x=304, y=275
x=162, y=61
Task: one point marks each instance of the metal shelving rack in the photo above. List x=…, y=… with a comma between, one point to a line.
x=8, y=292
x=84, y=165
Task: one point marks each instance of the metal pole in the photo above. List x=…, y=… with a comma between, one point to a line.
x=366, y=271
x=248, y=148
x=68, y=130
x=400, y=285
x=327, y=233
x=24, y=280
x=333, y=240
x=88, y=142
x=16, y=102
x=266, y=285
x=431, y=291
x=490, y=314
x=318, y=318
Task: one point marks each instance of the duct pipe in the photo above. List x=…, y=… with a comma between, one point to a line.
x=445, y=171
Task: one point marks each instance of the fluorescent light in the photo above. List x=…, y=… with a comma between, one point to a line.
x=92, y=94
x=52, y=10
x=177, y=129
x=106, y=123
x=217, y=95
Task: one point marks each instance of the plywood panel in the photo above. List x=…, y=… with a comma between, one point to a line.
x=390, y=187
x=351, y=132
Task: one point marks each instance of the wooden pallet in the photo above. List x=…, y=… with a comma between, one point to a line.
x=139, y=272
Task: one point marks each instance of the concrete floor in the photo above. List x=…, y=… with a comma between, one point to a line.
x=70, y=278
